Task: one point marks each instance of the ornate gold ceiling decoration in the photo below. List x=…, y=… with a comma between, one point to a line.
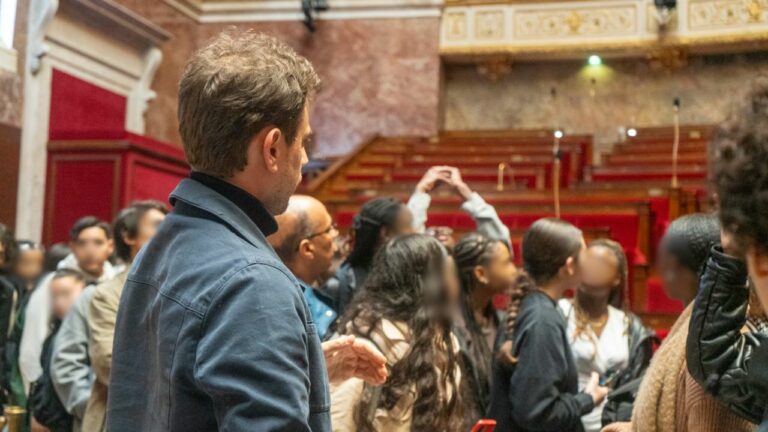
x=565, y=29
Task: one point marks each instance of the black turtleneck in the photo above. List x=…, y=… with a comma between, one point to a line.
x=251, y=206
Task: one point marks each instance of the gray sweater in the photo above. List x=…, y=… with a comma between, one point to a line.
x=484, y=215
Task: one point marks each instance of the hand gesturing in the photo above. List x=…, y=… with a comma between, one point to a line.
x=347, y=357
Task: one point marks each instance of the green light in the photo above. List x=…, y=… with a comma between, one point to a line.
x=595, y=60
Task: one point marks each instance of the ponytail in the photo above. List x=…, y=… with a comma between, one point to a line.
x=524, y=284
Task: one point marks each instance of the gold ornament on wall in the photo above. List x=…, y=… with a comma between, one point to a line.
x=495, y=68
x=574, y=22
x=667, y=58
x=455, y=25
x=489, y=24
x=720, y=14
x=620, y=20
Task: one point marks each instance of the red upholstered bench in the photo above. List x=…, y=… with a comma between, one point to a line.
x=629, y=176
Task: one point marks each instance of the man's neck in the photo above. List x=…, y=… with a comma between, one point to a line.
x=302, y=274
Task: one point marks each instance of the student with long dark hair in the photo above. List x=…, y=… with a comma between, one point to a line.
x=378, y=220
x=404, y=309
x=485, y=268
x=540, y=390
x=605, y=337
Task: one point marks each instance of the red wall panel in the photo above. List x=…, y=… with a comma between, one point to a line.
x=81, y=110
x=79, y=186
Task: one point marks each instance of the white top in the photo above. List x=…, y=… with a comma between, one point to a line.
x=605, y=355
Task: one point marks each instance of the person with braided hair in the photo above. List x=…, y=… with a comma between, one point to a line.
x=405, y=310
x=605, y=337
x=378, y=220
x=485, y=268
x=540, y=390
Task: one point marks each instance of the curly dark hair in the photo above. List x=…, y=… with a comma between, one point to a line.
x=406, y=285
x=741, y=170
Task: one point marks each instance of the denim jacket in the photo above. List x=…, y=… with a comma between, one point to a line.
x=213, y=331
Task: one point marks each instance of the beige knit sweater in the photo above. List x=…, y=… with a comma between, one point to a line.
x=670, y=400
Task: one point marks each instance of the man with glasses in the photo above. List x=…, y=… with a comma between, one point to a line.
x=305, y=242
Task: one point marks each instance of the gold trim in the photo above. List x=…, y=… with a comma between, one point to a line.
x=503, y=2
x=515, y=49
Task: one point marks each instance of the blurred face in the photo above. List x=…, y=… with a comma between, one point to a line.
x=64, y=292
x=147, y=229
x=403, y=224
x=680, y=283
x=499, y=274
x=600, y=272
x=452, y=284
x=92, y=249
x=29, y=265
x=574, y=268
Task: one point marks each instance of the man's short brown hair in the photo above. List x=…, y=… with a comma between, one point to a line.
x=240, y=83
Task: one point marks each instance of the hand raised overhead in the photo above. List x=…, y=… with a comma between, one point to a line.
x=432, y=177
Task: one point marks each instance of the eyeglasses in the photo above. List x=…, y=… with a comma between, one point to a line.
x=332, y=229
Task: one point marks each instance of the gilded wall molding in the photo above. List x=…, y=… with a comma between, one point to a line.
x=568, y=29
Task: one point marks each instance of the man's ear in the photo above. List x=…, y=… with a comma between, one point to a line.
x=111, y=245
x=270, y=149
x=306, y=249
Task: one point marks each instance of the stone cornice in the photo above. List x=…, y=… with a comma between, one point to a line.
x=207, y=11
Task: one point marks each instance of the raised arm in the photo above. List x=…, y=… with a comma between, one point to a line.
x=484, y=214
x=419, y=202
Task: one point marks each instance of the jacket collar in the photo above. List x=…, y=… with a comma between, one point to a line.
x=196, y=194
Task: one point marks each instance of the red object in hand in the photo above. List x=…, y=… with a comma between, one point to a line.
x=484, y=426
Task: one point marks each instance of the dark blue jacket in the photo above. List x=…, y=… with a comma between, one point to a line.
x=213, y=332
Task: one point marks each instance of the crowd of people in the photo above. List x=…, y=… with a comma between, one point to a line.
x=245, y=309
